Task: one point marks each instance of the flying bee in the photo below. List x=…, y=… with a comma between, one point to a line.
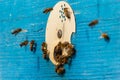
x=44, y=46
x=32, y=45
x=93, y=23
x=105, y=36
x=47, y=10
x=67, y=13
x=60, y=69
x=16, y=31
x=24, y=43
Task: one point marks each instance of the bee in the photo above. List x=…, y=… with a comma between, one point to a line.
x=16, y=31
x=70, y=50
x=47, y=10
x=93, y=23
x=67, y=13
x=45, y=56
x=64, y=60
x=24, y=43
x=58, y=49
x=65, y=44
x=105, y=36
x=44, y=46
x=60, y=69
x=57, y=58
x=32, y=45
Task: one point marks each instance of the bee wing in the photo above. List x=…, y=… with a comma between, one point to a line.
x=76, y=12
x=12, y=30
x=101, y=37
x=24, y=30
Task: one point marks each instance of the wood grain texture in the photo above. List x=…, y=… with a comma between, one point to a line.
x=95, y=59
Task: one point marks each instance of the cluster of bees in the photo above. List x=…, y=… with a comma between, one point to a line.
x=63, y=52
x=25, y=43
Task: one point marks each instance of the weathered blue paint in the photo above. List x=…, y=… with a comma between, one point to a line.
x=95, y=59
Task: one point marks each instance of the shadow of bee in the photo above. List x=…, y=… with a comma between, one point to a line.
x=47, y=10
x=93, y=23
x=16, y=31
x=24, y=43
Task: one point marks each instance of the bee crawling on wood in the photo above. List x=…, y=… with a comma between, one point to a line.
x=58, y=49
x=44, y=47
x=24, y=43
x=45, y=51
x=46, y=55
x=93, y=23
x=47, y=10
x=65, y=44
x=67, y=13
x=69, y=48
x=63, y=59
x=16, y=31
x=59, y=69
x=33, y=46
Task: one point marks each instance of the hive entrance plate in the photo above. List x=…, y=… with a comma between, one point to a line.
x=58, y=23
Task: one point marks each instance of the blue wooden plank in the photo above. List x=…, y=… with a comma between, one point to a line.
x=95, y=59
